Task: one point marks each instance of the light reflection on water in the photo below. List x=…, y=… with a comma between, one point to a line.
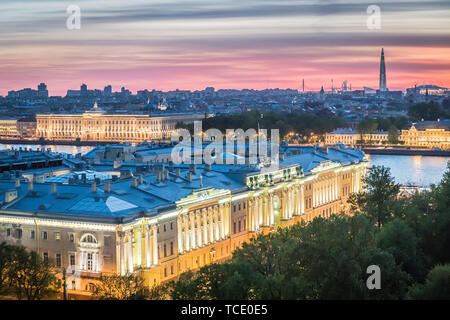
x=54, y=148
x=416, y=170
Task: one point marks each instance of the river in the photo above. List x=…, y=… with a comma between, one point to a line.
x=416, y=170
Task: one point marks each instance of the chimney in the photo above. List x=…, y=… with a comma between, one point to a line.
x=53, y=188
x=107, y=186
x=193, y=168
x=163, y=173
x=201, y=181
x=17, y=183
x=178, y=172
x=189, y=177
x=134, y=182
x=207, y=167
x=141, y=179
x=93, y=187
x=30, y=186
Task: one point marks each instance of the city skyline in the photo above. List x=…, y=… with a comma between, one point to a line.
x=232, y=45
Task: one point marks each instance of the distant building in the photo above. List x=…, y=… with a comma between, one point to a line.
x=430, y=134
x=30, y=94
x=350, y=137
x=96, y=125
x=428, y=89
x=8, y=128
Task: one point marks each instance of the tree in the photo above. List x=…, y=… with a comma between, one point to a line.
x=393, y=135
x=436, y=287
x=400, y=241
x=5, y=263
x=366, y=127
x=378, y=198
x=121, y=287
x=30, y=276
x=426, y=111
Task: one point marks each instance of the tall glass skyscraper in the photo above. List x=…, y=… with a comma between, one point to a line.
x=382, y=73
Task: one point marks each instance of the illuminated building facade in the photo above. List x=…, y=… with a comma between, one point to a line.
x=9, y=128
x=430, y=134
x=350, y=137
x=96, y=125
x=167, y=219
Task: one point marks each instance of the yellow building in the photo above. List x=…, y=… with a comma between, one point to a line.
x=350, y=137
x=430, y=134
x=9, y=128
x=171, y=219
x=96, y=125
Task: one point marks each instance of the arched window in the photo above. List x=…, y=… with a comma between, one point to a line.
x=88, y=238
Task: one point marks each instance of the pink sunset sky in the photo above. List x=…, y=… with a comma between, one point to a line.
x=228, y=44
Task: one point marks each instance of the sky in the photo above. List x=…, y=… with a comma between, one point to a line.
x=228, y=44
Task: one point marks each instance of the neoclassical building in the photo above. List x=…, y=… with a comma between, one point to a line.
x=428, y=134
x=96, y=125
x=166, y=219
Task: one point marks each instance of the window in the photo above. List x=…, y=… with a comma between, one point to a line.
x=164, y=228
x=18, y=233
x=72, y=260
x=239, y=225
x=58, y=260
x=171, y=248
x=165, y=272
x=73, y=285
x=71, y=237
x=90, y=261
x=32, y=234
x=171, y=226
x=165, y=250
x=8, y=232
x=234, y=227
x=44, y=235
x=239, y=207
x=88, y=238
x=171, y=269
x=57, y=236
x=45, y=257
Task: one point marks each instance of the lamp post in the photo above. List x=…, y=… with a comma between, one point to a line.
x=64, y=283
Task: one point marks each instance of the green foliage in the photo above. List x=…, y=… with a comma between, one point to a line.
x=393, y=135
x=25, y=275
x=436, y=287
x=426, y=111
x=300, y=123
x=121, y=287
x=379, y=198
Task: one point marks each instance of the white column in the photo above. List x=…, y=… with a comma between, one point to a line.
x=155, y=245
x=179, y=232
x=199, y=228
x=222, y=221
x=147, y=248
x=138, y=248
x=186, y=233
x=192, y=230
x=302, y=197
x=205, y=227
